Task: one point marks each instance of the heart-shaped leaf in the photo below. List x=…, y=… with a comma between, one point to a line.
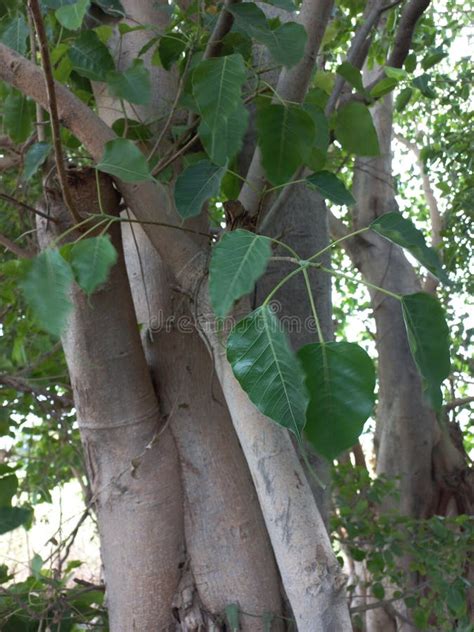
x=123, y=160
x=90, y=57
x=14, y=34
x=46, y=288
x=224, y=140
x=132, y=85
x=286, y=136
x=268, y=370
x=340, y=378
x=71, y=16
x=355, y=130
x=428, y=337
x=331, y=188
x=196, y=185
x=401, y=231
x=91, y=261
x=237, y=261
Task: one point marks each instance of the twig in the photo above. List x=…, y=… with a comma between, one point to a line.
x=14, y=248
x=457, y=403
x=222, y=27
x=53, y=109
x=26, y=207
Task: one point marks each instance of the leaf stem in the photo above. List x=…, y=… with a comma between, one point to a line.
x=313, y=306
x=281, y=283
x=342, y=275
x=338, y=241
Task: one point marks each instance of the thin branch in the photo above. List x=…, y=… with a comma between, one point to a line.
x=53, y=108
x=14, y=248
x=222, y=27
x=26, y=207
x=457, y=403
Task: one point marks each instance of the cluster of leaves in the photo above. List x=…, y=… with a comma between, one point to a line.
x=327, y=389
x=435, y=550
x=45, y=601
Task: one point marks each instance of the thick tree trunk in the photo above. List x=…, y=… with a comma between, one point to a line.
x=131, y=456
x=228, y=550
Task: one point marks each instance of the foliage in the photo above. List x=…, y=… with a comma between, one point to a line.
x=438, y=550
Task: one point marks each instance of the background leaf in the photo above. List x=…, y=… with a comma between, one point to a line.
x=355, y=130
x=428, y=337
x=13, y=517
x=90, y=57
x=18, y=117
x=35, y=157
x=71, y=16
x=15, y=33
x=196, y=185
x=91, y=261
x=268, y=370
x=124, y=160
x=402, y=232
x=46, y=289
x=331, y=188
x=132, y=85
x=237, y=261
x=286, y=136
x=340, y=378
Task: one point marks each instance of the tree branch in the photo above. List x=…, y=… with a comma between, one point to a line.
x=457, y=403
x=14, y=248
x=53, y=108
x=26, y=207
x=223, y=26
x=292, y=86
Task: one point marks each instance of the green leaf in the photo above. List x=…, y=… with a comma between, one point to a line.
x=13, y=517
x=286, y=136
x=423, y=84
x=352, y=75
x=378, y=590
x=355, y=130
x=428, y=337
x=134, y=130
x=196, y=185
x=237, y=261
x=123, y=160
x=401, y=231
x=8, y=487
x=286, y=43
x=17, y=117
x=46, y=289
x=268, y=370
x=217, y=86
x=340, y=378
x=91, y=261
x=433, y=58
x=111, y=7
x=35, y=157
x=384, y=86
x=223, y=140
x=170, y=49
x=232, y=614
x=90, y=57
x=331, y=188
x=286, y=5
x=403, y=99
x=132, y=85
x=36, y=565
x=15, y=34
x=71, y=16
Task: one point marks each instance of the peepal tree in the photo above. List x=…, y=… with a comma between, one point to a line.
x=179, y=159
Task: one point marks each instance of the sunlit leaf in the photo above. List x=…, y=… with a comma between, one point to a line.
x=340, y=378
x=268, y=370
x=237, y=261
